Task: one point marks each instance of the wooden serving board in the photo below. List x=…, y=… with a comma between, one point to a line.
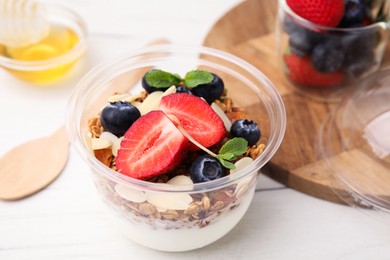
x=247, y=32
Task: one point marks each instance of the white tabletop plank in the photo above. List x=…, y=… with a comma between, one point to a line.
x=66, y=220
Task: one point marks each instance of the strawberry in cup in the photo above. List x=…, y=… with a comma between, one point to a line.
x=328, y=45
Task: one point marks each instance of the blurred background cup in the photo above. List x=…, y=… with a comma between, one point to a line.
x=50, y=60
x=322, y=62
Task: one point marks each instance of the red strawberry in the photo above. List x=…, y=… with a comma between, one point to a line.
x=152, y=146
x=301, y=71
x=196, y=117
x=323, y=12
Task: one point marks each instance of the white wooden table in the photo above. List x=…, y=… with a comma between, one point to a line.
x=66, y=221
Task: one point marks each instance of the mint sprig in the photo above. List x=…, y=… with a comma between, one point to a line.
x=197, y=77
x=231, y=150
x=162, y=79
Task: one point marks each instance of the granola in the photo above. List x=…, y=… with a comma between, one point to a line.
x=202, y=211
x=95, y=127
x=203, y=207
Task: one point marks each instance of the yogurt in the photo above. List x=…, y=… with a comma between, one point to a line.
x=178, y=236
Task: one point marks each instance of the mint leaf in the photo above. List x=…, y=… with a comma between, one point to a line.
x=197, y=77
x=231, y=150
x=226, y=156
x=227, y=164
x=236, y=146
x=162, y=79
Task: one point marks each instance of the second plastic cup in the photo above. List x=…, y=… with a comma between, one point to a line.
x=321, y=62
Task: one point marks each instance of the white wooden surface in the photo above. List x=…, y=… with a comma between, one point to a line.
x=65, y=221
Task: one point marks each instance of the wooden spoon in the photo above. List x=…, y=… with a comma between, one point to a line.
x=30, y=167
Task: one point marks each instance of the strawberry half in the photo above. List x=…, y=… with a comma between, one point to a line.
x=323, y=12
x=151, y=146
x=301, y=71
x=196, y=117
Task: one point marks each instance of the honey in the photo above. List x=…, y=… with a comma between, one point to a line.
x=59, y=41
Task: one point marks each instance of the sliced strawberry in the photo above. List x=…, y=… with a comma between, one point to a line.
x=301, y=71
x=152, y=146
x=196, y=117
x=322, y=12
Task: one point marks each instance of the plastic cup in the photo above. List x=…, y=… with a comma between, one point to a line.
x=177, y=217
x=323, y=62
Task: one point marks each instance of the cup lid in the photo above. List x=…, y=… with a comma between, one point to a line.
x=355, y=144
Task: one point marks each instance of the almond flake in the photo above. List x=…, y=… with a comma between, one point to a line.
x=193, y=208
x=174, y=201
x=137, y=104
x=180, y=180
x=161, y=209
x=206, y=203
x=130, y=194
x=97, y=143
x=130, y=99
x=241, y=164
x=170, y=214
x=151, y=102
x=108, y=136
x=147, y=209
x=170, y=90
x=118, y=97
x=115, y=146
x=222, y=115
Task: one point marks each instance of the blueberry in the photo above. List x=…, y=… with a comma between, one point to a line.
x=181, y=89
x=289, y=25
x=357, y=64
x=149, y=88
x=359, y=52
x=302, y=41
x=246, y=129
x=365, y=39
x=210, y=91
x=355, y=14
x=327, y=57
x=117, y=117
x=205, y=168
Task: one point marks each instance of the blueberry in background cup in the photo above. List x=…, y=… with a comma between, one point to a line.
x=327, y=46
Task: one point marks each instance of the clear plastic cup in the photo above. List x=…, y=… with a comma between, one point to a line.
x=44, y=72
x=177, y=217
x=323, y=62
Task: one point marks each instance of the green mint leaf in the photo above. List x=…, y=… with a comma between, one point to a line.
x=226, y=156
x=227, y=164
x=236, y=146
x=197, y=77
x=231, y=150
x=162, y=79
x=177, y=76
